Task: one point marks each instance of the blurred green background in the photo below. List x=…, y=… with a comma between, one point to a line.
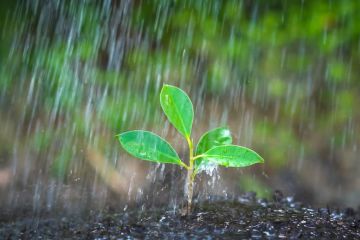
x=284, y=75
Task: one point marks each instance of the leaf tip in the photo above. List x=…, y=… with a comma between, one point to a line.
x=120, y=138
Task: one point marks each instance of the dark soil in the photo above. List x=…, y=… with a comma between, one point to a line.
x=242, y=218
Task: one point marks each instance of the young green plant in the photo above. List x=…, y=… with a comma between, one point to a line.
x=214, y=147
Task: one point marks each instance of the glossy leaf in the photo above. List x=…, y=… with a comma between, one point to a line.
x=148, y=146
x=232, y=156
x=178, y=109
x=215, y=137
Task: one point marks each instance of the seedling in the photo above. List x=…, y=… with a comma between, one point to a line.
x=214, y=147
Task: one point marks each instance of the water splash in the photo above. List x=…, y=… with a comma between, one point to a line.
x=283, y=77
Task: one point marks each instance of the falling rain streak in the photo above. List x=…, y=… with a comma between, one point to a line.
x=282, y=76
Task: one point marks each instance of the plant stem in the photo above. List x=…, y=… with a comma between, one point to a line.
x=198, y=156
x=190, y=176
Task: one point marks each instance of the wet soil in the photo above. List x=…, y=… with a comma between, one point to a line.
x=244, y=217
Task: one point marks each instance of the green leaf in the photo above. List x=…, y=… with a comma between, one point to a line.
x=178, y=108
x=213, y=138
x=232, y=156
x=148, y=146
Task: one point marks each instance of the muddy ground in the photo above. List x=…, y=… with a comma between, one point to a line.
x=243, y=217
